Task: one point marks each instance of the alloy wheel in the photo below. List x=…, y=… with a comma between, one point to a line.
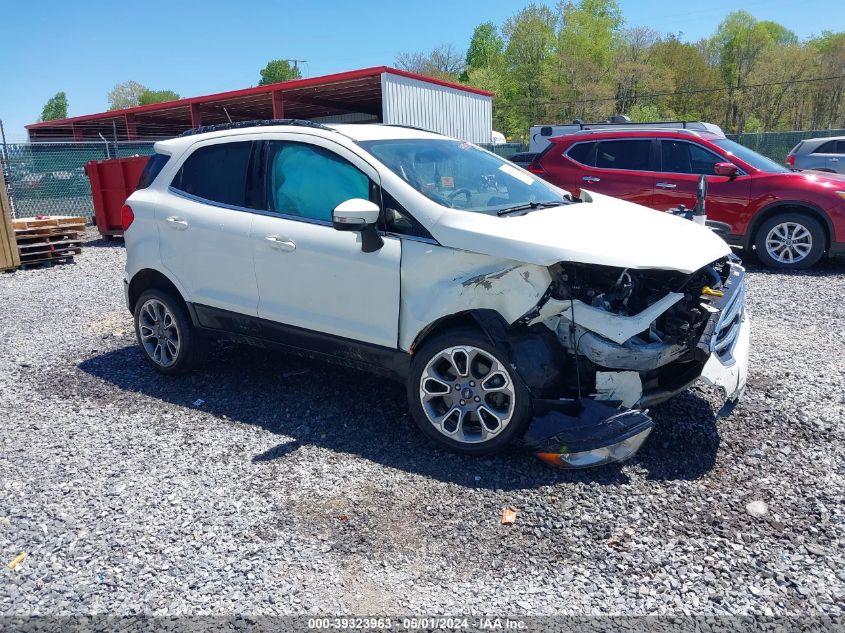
x=159, y=333
x=467, y=394
x=789, y=242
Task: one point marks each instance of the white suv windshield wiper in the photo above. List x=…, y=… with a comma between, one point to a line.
x=530, y=206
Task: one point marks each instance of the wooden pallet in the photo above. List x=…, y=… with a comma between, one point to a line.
x=9, y=259
x=48, y=240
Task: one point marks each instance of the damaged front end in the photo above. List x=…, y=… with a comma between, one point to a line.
x=618, y=341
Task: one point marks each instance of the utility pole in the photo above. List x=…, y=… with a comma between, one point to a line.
x=296, y=62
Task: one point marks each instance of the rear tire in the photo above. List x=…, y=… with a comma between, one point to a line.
x=165, y=334
x=464, y=395
x=790, y=241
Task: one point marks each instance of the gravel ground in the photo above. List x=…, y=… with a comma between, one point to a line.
x=268, y=484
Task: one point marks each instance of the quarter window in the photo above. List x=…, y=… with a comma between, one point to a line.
x=217, y=173
x=310, y=181
x=630, y=155
x=152, y=169
x=580, y=153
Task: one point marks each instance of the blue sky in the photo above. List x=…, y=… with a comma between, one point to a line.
x=198, y=47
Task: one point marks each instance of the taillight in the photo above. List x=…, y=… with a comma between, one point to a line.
x=536, y=168
x=126, y=217
x=790, y=160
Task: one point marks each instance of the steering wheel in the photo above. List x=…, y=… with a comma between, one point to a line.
x=458, y=192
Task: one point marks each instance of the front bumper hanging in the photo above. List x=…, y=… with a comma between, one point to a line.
x=583, y=433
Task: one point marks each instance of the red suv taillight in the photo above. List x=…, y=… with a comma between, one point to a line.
x=790, y=160
x=126, y=217
x=536, y=168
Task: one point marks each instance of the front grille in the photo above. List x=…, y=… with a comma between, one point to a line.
x=732, y=311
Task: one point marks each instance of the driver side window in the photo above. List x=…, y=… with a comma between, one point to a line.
x=310, y=181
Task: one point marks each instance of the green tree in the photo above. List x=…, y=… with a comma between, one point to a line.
x=126, y=95
x=739, y=42
x=55, y=108
x=695, y=82
x=530, y=35
x=485, y=48
x=587, y=43
x=278, y=70
x=156, y=96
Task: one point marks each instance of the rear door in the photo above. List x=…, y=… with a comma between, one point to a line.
x=681, y=164
x=204, y=229
x=622, y=168
x=309, y=274
x=828, y=157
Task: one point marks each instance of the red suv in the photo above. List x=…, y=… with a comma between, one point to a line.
x=790, y=218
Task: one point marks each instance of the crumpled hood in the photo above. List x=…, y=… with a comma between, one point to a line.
x=606, y=231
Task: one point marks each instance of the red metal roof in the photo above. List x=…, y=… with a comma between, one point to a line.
x=354, y=91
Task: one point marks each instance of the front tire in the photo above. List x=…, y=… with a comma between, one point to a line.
x=464, y=395
x=790, y=241
x=165, y=334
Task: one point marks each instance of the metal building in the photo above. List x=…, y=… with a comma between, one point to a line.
x=379, y=94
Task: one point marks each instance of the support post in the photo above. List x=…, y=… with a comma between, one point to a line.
x=196, y=115
x=278, y=105
x=131, y=127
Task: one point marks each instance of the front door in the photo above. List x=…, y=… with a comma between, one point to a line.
x=310, y=275
x=204, y=232
x=681, y=164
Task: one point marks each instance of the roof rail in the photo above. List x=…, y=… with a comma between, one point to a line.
x=690, y=126
x=255, y=123
x=408, y=127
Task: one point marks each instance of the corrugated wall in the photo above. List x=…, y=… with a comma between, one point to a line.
x=464, y=115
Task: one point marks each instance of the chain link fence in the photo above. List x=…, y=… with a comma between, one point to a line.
x=776, y=145
x=49, y=178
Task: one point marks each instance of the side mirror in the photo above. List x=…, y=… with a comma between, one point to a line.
x=357, y=214
x=725, y=169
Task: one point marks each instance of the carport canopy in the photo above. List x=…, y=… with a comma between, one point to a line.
x=354, y=96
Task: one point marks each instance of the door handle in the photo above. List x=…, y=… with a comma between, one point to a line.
x=834, y=160
x=591, y=179
x=665, y=185
x=280, y=243
x=177, y=223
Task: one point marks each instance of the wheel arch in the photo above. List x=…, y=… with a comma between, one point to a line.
x=534, y=353
x=787, y=206
x=457, y=319
x=148, y=278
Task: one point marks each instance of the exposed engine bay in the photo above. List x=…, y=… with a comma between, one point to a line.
x=632, y=336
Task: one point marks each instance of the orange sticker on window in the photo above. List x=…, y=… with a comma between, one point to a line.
x=447, y=182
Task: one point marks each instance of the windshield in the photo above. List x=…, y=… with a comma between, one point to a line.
x=758, y=161
x=462, y=176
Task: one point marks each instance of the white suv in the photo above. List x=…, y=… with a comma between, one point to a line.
x=512, y=311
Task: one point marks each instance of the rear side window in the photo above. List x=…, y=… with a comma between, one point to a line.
x=217, y=173
x=580, y=153
x=152, y=169
x=310, y=181
x=826, y=148
x=630, y=155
